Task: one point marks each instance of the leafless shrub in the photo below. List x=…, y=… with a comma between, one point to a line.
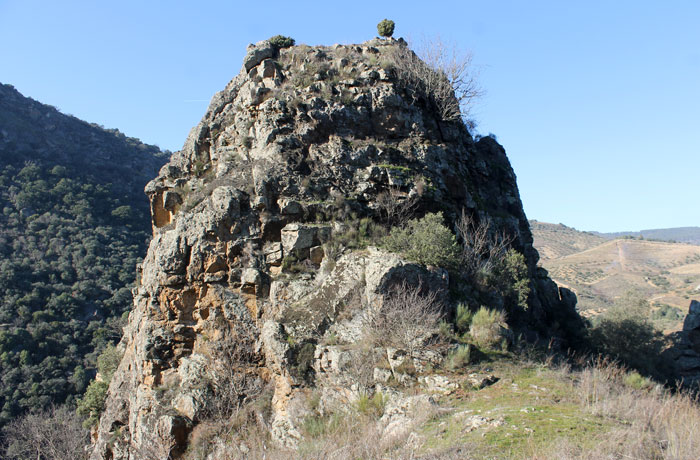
x=442, y=73
x=406, y=319
x=235, y=382
x=361, y=367
x=56, y=433
x=396, y=207
x=482, y=248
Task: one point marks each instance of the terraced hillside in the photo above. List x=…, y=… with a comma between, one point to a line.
x=665, y=274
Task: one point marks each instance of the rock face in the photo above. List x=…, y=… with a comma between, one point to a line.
x=686, y=350
x=296, y=148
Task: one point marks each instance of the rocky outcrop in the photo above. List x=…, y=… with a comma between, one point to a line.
x=685, y=352
x=247, y=246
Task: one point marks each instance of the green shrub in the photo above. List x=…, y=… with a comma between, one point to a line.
x=427, y=241
x=280, y=41
x=356, y=234
x=511, y=279
x=446, y=330
x=667, y=312
x=371, y=406
x=459, y=357
x=92, y=403
x=463, y=318
x=108, y=361
x=637, y=381
x=385, y=28
x=486, y=327
x=625, y=334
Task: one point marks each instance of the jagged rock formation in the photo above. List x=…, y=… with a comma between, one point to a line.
x=686, y=350
x=301, y=142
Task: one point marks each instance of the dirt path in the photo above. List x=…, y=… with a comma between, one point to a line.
x=621, y=255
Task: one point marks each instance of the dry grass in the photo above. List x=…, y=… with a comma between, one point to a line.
x=547, y=411
x=656, y=423
x=343, y=436
x=597, y=412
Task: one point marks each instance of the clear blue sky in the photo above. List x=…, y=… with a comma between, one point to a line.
x=596, y=102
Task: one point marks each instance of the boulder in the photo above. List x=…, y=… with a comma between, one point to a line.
x=296, y=237
x=256, y=54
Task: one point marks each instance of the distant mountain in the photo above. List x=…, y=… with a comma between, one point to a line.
x=603, y=270
x=689, y=235
x=74, y=222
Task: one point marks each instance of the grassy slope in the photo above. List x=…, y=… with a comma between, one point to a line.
x=536, y=410
x=556, y=240
x=530, y=409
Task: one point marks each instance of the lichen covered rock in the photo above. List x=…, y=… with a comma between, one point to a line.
x=301, y=142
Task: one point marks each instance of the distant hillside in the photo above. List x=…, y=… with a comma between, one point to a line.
x=680, y=234
x=558, y=240
x=74, y=223
x=665, y=274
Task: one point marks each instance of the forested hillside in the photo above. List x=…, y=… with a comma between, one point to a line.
x=74, y=223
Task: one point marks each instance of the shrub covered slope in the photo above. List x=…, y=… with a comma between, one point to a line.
x=73, y=225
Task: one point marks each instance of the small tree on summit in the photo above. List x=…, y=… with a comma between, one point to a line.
x=386, y=28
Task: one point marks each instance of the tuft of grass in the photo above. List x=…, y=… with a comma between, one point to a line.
x=316, y=426
x=635, y=380
x=485, y=327
x=373, y=406
x=459, y=357
x=463, y=318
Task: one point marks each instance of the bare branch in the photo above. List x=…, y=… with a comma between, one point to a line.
x=396, y=207
x=235, y=382
x=407, y=318
x=482, y=248
x=52, y=434
x=443, y=74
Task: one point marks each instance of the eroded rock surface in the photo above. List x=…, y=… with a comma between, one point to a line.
x=686, y=350
x=301, y=141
